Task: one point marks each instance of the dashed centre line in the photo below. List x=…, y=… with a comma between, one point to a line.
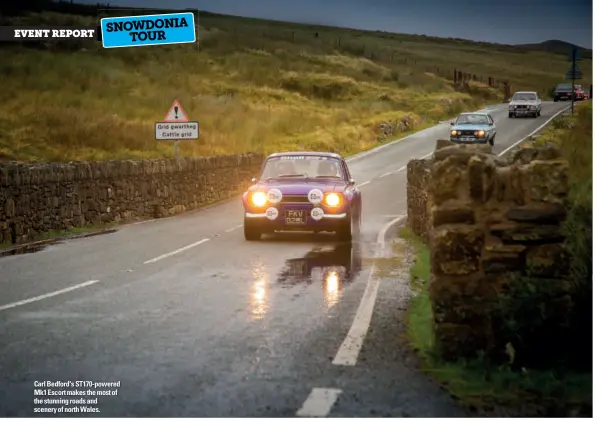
x=234, y=228
x=180, y=250
x=48, y=295
x=319, y=402
x=386, y=174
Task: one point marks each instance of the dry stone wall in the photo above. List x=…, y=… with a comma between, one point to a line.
x=490, y=222
x=38, y=198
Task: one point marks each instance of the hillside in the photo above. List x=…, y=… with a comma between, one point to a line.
x=558, y=47
x=253, y=85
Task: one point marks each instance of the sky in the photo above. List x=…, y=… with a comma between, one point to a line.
x=499, y=21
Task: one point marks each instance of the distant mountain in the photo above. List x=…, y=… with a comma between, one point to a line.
x=557, y=46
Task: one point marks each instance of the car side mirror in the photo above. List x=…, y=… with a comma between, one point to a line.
x=452, y=123
x=351, y=182
x=253, y=179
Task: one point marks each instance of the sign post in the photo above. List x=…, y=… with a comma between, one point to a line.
x=176, y=126
x=574, y=73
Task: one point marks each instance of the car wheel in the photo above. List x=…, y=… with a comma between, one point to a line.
x=555, y=99
x=251, y=232
x=509, y=115
x=349, y=230
x=491, y=141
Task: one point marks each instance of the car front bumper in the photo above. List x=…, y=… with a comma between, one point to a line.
x=523, y=111
x=469, y=141
x=330, y=220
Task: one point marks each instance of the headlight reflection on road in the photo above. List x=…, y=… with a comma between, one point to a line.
x=258, y=296
x=332, y=282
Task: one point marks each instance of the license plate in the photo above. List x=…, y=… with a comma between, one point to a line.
x=467, y=139
x=295, y=217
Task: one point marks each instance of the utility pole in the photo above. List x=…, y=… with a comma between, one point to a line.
x=573, y=76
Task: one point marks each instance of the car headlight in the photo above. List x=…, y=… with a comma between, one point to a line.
x=332, y=199
x=453, y=133
x=511, y=107
x=258, y=199
x=481, y=133
x=532, y=107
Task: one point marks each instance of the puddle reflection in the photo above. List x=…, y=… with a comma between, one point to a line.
x=258, y=295
x=333, y=267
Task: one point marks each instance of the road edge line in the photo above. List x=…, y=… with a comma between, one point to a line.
x=351, y=346
x=548, y=121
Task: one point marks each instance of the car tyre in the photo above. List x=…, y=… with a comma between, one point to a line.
x=350, y=228
x=510, y=115
x=251, y=232
x=491, y=141
x=556, y=99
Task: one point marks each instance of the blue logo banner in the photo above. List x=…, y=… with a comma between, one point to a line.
x=140, y=31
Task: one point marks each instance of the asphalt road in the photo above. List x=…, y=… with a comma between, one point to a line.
x=194, y=321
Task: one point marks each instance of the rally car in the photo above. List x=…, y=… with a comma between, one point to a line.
x=473, y=128
x=302, y=191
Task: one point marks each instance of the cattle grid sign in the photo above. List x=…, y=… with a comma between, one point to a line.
x=176, y=126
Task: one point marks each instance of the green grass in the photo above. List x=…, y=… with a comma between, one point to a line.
x=479, y=386
x=253, y=86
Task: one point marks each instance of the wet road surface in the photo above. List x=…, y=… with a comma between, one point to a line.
x=194, y=321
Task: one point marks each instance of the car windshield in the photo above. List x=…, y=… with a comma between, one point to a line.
x=564, y=86
x=524, y=97
x=472, y=119
x=302, y=166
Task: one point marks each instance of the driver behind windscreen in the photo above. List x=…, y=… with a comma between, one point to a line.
x=285, y=168
x=328, y=169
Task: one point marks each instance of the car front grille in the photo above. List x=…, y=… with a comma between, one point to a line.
x=294, y=199
x=467, y=132
x=521, y=107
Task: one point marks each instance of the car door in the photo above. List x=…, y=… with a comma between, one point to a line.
x=492, y=126
x=352, y=189
x=538, y=102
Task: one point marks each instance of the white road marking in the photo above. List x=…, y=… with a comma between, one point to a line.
x=534, y=131
x=319, y=402
x=363, y=184
x=351, y=346
x=386, y=174
x=234, y=228
x=51, y=294
x=189, y=246
x=402, y=168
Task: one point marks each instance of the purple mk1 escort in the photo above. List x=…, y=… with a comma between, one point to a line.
x=303, y=191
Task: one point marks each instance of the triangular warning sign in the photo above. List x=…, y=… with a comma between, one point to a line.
x=176, y=114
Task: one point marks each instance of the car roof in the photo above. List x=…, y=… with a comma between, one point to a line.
x=526, y=92
x=309, y=153
x=484, y=114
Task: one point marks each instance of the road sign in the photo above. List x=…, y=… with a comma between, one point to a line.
x=574, y=73
x=176, y=113
x=165, y=130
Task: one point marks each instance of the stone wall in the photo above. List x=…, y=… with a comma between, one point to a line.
x=418, y=206
x=491, y=223
x=39, y=198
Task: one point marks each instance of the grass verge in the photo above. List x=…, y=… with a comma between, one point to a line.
x=254, y=85
x=479, y=387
